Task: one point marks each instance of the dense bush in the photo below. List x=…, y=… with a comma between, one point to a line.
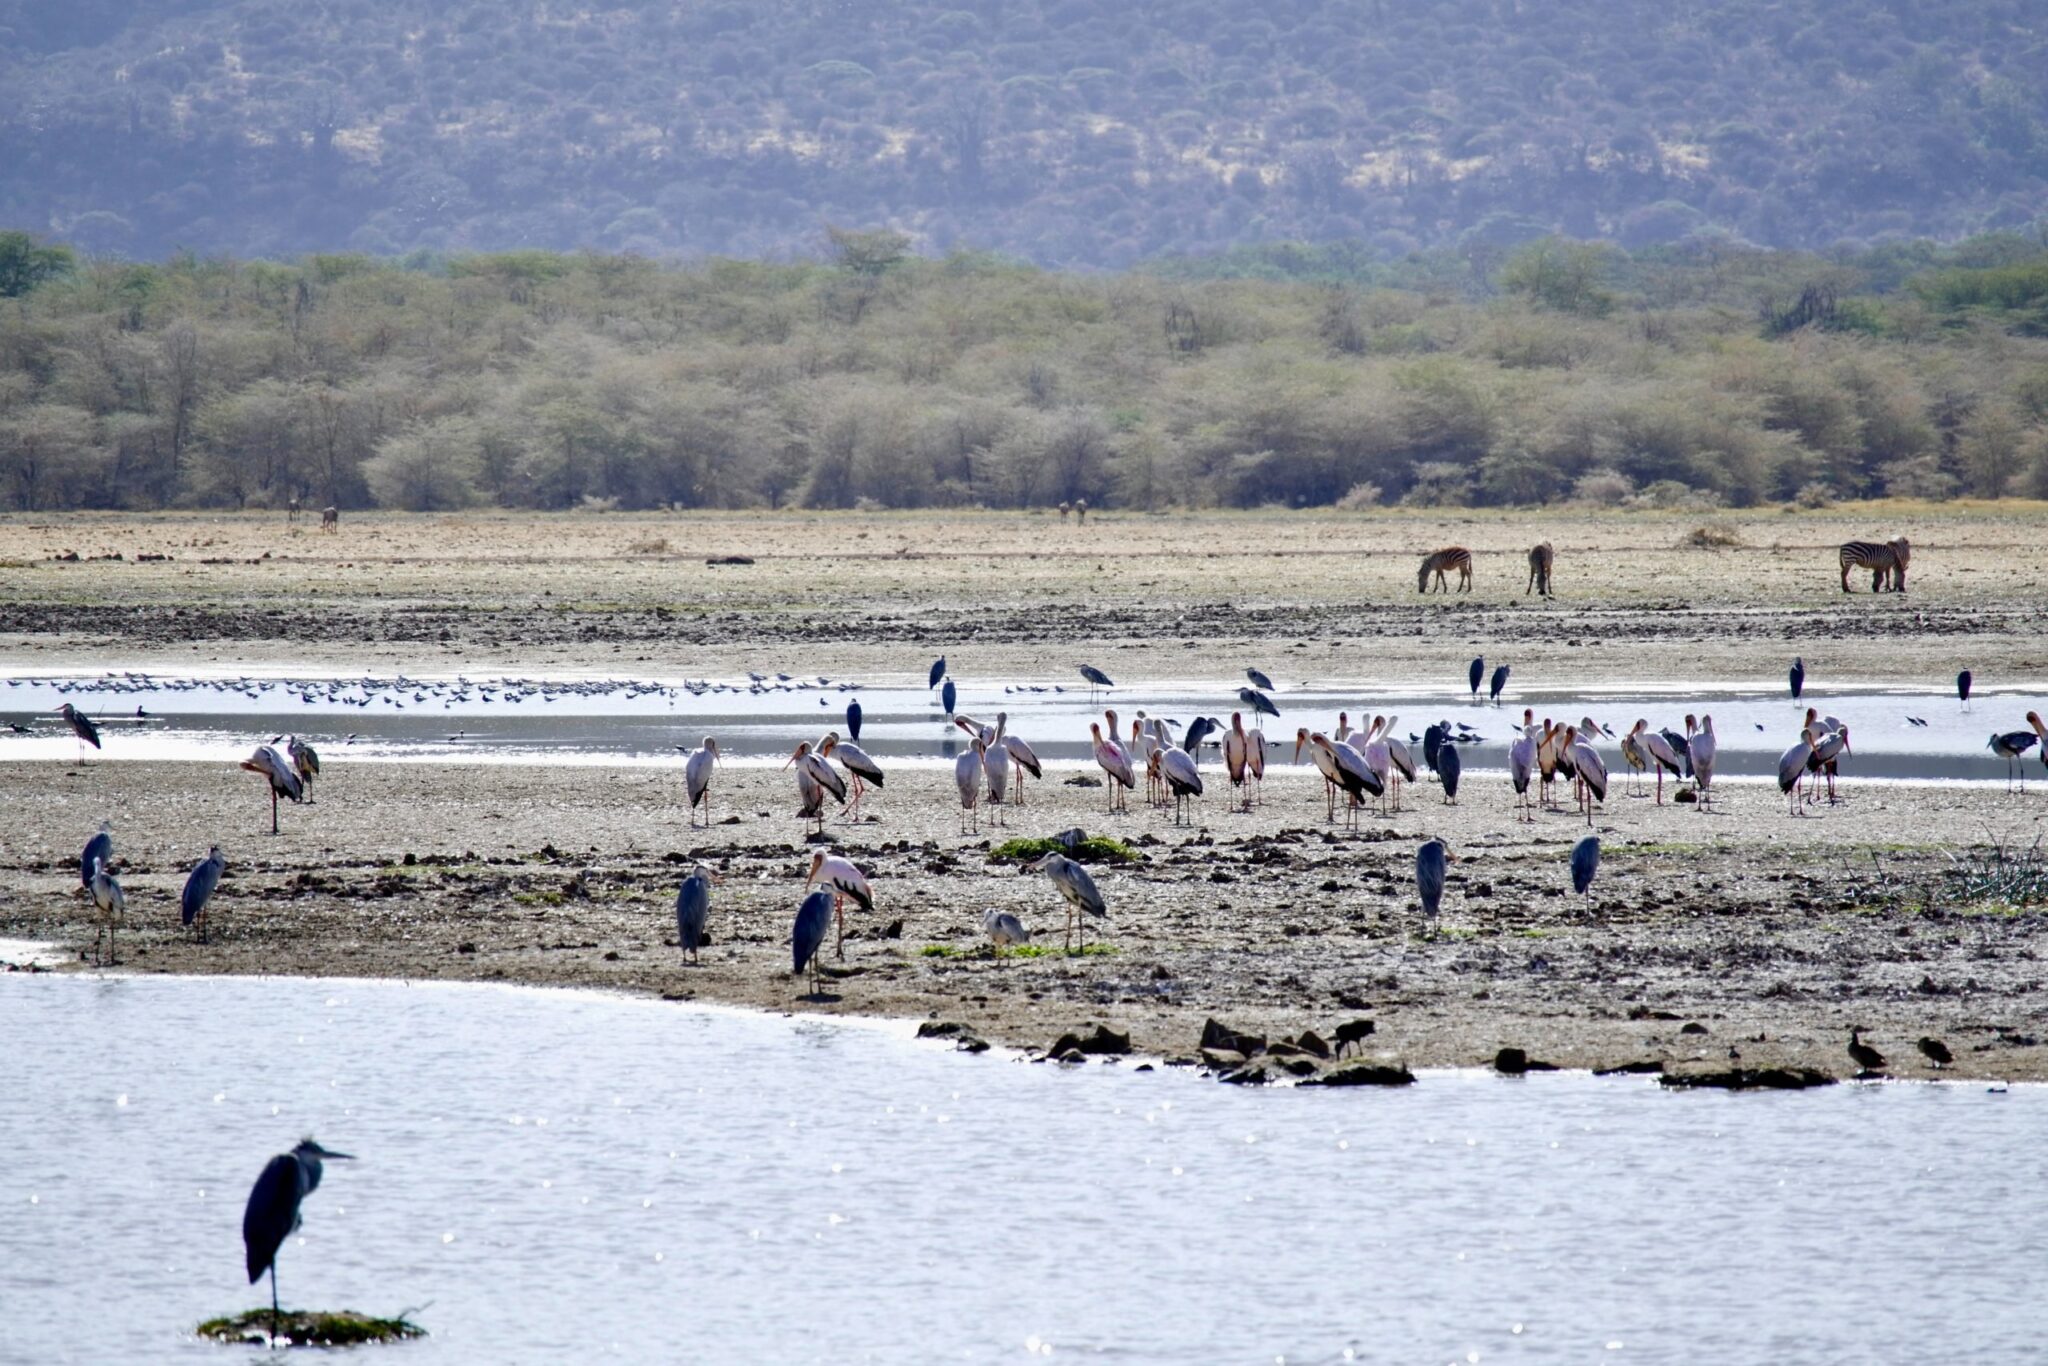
x=538, y=380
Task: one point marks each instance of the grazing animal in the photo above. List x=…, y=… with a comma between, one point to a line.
x=1886, y=561
x=693, y=910
x=1449, y=559
x=205, y=876
x=1064, y=510
x=1540, y=558
x=1081, y=509
x=330, y=519
x=1351, y=1033
x=272, y=1214
x=291, y=512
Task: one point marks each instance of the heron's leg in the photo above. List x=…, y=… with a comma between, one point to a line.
x=273, y=1302
x=839, y=915
x=273, y=811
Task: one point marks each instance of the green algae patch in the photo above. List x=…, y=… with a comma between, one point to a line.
x=303, y=1328
x=1094, y=849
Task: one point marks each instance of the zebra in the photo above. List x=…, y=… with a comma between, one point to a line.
x=1539, y=569
x=1442, y=562
x=1886, y=561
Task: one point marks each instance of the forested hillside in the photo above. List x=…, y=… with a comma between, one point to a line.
x=1686, y=376
x=1064, y=132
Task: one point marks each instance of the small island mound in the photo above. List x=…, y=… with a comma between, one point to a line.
x=301, y=1328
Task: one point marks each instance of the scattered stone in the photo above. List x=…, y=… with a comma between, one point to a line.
x=971, y=1043
x=940, y=1029
x=728, y=559
x=1216, y=1034
x=1513, y=1062
x=1308, y=1041
x=1750, y=1079
x=1692, y=1027
x=1364, y=1074
x=1083, y=780
x=1100, y=1042
x=1645, y=1067
x=892, y=930
x=1251, y=1074
x=465, y=947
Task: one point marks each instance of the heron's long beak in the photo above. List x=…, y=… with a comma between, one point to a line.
x=329, y=1152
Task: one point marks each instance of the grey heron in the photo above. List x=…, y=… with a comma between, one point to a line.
x=1079, y=889
x=1259, y=703
x=807, y=936
x=1585, y=863
x=82, y=727
x=844, y=880
x=693, y=910
x=107, y=897
x=1963, y=690
x=2012, y=747
x=305, y=762
x=1096, y=678
x=1003, y=929
x=697, y=777
x=1429, y=876
x=1260, y=681
x=199, y=886
x=272, y=1214
x=99, y=849
x=282, y=779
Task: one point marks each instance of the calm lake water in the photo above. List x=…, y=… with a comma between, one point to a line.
x=613, y=721
x=548, y=1176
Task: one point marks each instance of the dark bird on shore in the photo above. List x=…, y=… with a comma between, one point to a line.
x=1432, y=745
x=1862, y=1054
x=272, y=1214
x=812, y=919
x=205, y=876
x=1798, y=678
x=1198, y=730
x=1500, y=680
x=82, y=727
x=17, y=727
x=1448, y=766
x=1963, y=689
x=1936, y=1052
x=1257, y=701
x=1476, y=675
x=1096, y=679
x=693, y=910
x=99, y=849
x=948, y=695
x=853, y=721
x=1585, y=863
x=1260, y=681
x=938, y=672
x=1429, y=875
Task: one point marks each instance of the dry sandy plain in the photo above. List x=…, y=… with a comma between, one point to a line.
x=1742, y=938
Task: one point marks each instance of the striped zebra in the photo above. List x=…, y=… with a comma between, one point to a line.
x=1886, y=561
x=1442, y=562
x=1539, y=569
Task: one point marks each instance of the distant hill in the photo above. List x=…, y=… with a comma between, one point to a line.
x=1090, y=133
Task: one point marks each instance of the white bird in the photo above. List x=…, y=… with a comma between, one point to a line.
x=1237, y=758
x=1591, y=771
x=1255, y=760
x=1116, y=764
x=106, y=894
x=995, y=768
x=1397, y=753
x=1702, y=747
x=1521, y=764
x=866, y=772
x=1183, y=779
x=1792, y=767
x=1003, y=928
x=967, y=773
x=1352, y=774
x=283, y=778
x=1021, y=754
x=845, y=880
x=697, y=777
x=814, y=779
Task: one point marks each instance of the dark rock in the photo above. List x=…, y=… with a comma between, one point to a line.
x=1645, y=1013
x=1511, y=1062
x=1646, y=1066
x=1750, y=1079
x=893, y=930
x=1364, y=1074
x=465, y=947
x=971, y=1043
x=1308, y=1041
x=940, y=1029
x=1299, y=1067
x=1222, y=1059
x=1216, y=1034
x=1083, y=780
x=728, y=559
x=1251, y=1074
x=1692, y=1027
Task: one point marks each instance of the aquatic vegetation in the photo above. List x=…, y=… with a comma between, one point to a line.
x=304, y=1328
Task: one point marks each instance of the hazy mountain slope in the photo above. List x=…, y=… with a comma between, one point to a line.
x=1068, y=131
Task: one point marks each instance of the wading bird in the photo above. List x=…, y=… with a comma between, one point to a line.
x=844, y=880
x=1585, y=863
x=853, y=721
x=1862, y=1054
x=1792, y=768
x=1237, y=760
x=693, y=910
x=814, y=779
x=807, y=936
x=1082, y=896
x=1591, y=771
x=1827, y=759
x=1096, y=679
x=281, y=777
x=272, y=1214
x=948, y=694
x=305, y=762
x=99, y=849
x=697, y=777
x=1260, y=681
x=1476, y=675
x=82, y=727
x=1429, y=876
x=2012, y=747
x=1703, y=747
x=866, y=772
x=1963, y=689
x=1260, y=704
x=1521, y=765
x=1003, y=929
x=1116, y=764
x=1255, y=761
x=199, y=885
x=967, y=777
x=1797, y=678
x=1021, y=754
x=938, y=672
x=107, y=897
x=2040, y=733
x=1183, y=779
x=1500, y=681
x=1448, y=767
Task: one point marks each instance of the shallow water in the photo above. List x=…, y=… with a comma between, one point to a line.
x=628, y=721
x=560, y=1176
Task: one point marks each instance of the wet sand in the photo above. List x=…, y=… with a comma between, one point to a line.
x=1771, y=934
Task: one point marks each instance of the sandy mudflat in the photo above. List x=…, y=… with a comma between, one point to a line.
x=1773, y=935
